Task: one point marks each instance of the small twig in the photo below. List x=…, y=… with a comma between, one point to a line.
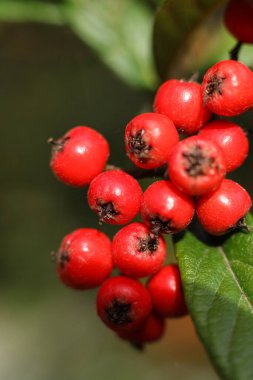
x=53, y=256
x=139, y=173
x=138, y=346
x=194, y=77
x=234, y=53
x=111, y=167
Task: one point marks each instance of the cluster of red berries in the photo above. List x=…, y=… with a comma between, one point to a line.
x=197, y=166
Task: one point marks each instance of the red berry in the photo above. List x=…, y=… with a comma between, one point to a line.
x=182, y=102
x=224, y=209
x=84, y=258
x=227, y=88
x=165, y=209
x=196, y=166
x=115, y=196
x=166, y=292
x=238, y=19
x=149, y=138
x=232, y=140
x=137, y=252
x=123, y=304
x=150, y=331
x=79, y=156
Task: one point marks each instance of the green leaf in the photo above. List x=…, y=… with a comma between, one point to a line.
x=34, y=11
x=120, y=32
x=178, y=39
x=218, y=284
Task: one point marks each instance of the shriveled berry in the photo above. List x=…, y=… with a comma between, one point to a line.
x=224, y=209
x=196, y=166
x=79, y=156
x=238, y=18
x=232, y=140
x=123, y=304
x=115, y=196
x=150, y=331
x=182, y=102
x=84, y=258
x=137, y=252
x=166, y=292
x=149, y=138
x=165, y=209
x=227, y=88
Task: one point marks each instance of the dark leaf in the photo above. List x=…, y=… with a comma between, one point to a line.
x=178, y=38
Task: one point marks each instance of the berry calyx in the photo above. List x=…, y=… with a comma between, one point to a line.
x=223, y=210
x=150, y=331
x=182, y=102
x=137, y=252
x=196, y=166
x=123, y=304
x=227, y=88
x=79, y=156
x=115, y=196
x=238, y=18
x=230, y=138
x=165, y=209
x=84, y=259
x=166, y=292
x=149, y=138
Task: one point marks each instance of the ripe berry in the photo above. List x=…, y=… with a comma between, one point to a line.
x=196, y=166
x=79, y=156
x=182, y=102
x=149, y=138
x=123, y=304
x=238, y=18
x=166, y=292
x=227, y=88
x=137, y=252
x=150, y=331
x=165, y=209
x=84, y=258
x=223, y=209
x=115, y=196
x=232, y=140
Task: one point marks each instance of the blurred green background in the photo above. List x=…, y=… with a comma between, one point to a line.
x=51, y=79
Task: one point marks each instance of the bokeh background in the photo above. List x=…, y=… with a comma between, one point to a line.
x=53, y=76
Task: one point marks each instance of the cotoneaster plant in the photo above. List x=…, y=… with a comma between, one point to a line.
x=212, y=279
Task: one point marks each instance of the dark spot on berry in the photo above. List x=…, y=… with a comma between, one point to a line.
x=57, y=145
x=242, y=226
x=180, y=130
x=197, y=161
x=214, y=85
x=106, y=211
x=138, y=146
x=119, y=313
x=63, y=258
x=148, y=244
x=157, y=225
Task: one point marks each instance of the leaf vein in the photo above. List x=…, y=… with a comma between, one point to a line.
x=230, y=345
x=227, y=263
x=215, y=294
